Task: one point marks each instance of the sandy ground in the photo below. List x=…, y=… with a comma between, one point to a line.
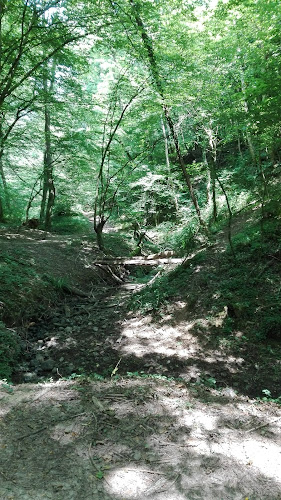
x=136, y=439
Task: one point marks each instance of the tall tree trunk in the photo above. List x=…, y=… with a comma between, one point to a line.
x=246, y=108
x=211, y=185
x=212, y=168
x=213, y=189
x=147, y=42
x=171, y=184
x=230, y=215
x=48, y=191
x=98, y=227
x=2, y=173
x=2, y=214
x=4, y=183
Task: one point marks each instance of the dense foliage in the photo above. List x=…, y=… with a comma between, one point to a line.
x=145, y=112
x=161, y=114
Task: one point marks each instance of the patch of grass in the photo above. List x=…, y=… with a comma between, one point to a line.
x=24, y=294
x=71, y=224
x=183, y=239
x=118, y=244
x=168, y=285
x=247, y=287
x=269, y=398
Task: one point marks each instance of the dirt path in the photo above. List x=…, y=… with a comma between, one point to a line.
x=136, y=439
x=182, y=425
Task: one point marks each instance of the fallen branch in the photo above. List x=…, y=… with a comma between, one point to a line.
x=105, y=266
x=154, y=278
x=263, y=425
x=42, y=429
x=146, y=471
x=138, y=262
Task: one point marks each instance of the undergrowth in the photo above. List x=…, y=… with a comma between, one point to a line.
x=71, y=224
x=24, y=293
x=247, y=285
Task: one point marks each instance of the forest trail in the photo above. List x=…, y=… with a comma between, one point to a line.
x=172, y=419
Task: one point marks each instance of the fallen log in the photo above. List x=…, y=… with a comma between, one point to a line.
x=137, y=262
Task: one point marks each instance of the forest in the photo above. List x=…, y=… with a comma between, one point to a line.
x=140, y=217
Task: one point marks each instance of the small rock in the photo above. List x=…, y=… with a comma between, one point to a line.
x=30, y=377
x=229, y=393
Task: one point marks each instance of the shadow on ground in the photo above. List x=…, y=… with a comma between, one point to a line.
x=135, y=439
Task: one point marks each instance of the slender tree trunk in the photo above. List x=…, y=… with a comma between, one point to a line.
x=98, y=227
x=246, y=108
x=213, y=190
x=212, y=168
x=211, y=185
x=239, y=141
x=4, y=182
x=2, y=173
x=33, y=195
x=2, y=215
x=50, y=204
x=48, y=191
x=171, y=185
x=147, y=42
x=230, y=215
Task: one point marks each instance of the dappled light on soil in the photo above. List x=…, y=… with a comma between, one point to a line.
x=136, y=439
x=133, y=482
x=142, y=335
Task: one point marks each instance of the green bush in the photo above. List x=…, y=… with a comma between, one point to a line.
x=185, y=239
x=270, y=326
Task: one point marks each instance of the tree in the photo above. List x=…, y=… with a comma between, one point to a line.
x=148, y=45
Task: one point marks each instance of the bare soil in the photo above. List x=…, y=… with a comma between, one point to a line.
x=183, y=424
x=137, y=439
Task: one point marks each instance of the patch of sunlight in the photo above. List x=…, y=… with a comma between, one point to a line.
x=4, y=411
x=130, y=482
x=134, y=482
x=180, y=304
x=139, y=338
x=263, y=454
x=53, y=342
x=198, y=421
x=55, y=391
